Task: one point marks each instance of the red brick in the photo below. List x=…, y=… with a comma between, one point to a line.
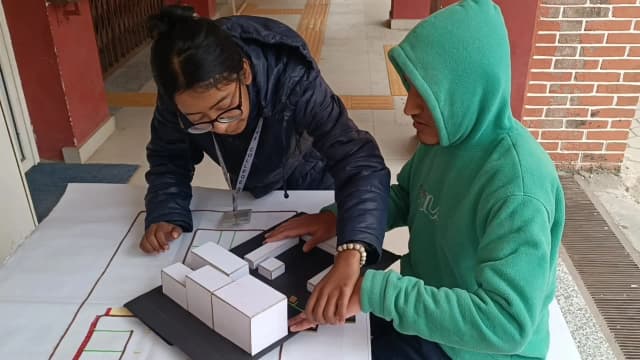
x=623, y=64
x=603, y=51
x=631, y=77
x=547, y=38
x=611, y=167
x=550, y=76
x=637, y=27
x=550, y=145
x=616, y=146
x=541, y=64
x=562, y=135
x=532, y=112
x=585, y=12
x=591, y=100
x=564, y=2
x=543, y=124
x=612, y=113
x=582, y=146
x=617, y=2
x=537, y=88
x=566, y=51
x=597, y=77
x=586, y=124
x=622, y=38
x=607, y=135
x=567, y=166
x=564, y=157
x=618, y=89
x=627, y=101
x=546, y=100
x=571, y=88
x=608, y=25
x=559, y=25
x=535, y=134
x=621, y=124
x=566, y=64
x=566, y=112
x=581, y=38
x=549, y=12
x=548, y=25
x=631, y=12
x=602, y=158
x=634, y=51
x=545, y=50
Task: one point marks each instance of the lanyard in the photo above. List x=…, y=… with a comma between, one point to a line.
x=246, y=164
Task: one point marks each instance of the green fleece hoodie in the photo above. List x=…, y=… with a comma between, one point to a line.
x=485, y=207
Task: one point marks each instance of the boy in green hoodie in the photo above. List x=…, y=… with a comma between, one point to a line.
x=481, y=198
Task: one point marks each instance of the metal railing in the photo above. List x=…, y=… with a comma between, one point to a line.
x=120, y=28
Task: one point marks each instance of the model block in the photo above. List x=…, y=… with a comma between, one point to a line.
x=219, y=258
x=271, y=268
x=200, y=285
x=173, y=279
x=311, y=283
x=250, y=314
x=269, y=250
x=329, y=246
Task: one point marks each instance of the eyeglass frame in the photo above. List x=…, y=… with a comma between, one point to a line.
x=220, y=119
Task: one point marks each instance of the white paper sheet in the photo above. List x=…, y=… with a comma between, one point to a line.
x=85, y=257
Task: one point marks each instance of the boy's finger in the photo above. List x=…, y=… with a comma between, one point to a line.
x=330, y=310
x=302, y=325
x=311, y=304
x=343, y=303
x=296, y=319
x=318, y=310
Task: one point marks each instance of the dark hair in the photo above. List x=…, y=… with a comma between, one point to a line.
x=190, y=52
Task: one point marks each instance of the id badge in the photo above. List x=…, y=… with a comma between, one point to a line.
x=235, y=218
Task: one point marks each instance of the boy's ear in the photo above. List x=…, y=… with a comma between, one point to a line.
x=247, y=75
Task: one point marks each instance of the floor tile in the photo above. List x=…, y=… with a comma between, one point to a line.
x=363, y=119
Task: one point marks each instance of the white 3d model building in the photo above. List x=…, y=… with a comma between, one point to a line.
x=216, y=288
x=250, y=313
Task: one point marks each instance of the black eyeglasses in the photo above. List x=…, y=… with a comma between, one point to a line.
x=225, y=117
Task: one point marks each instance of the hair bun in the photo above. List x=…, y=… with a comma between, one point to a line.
x=167, y=19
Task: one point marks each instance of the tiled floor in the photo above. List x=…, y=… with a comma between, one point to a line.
x=353, y=63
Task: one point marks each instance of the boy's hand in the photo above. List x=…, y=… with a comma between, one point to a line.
x=330, y=298
x=321, y=227
x=301, y=322
x=157, y=237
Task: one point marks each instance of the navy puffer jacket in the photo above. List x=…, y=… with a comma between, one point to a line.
x=307, y=142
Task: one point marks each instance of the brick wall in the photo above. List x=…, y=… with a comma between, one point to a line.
x=584, y=83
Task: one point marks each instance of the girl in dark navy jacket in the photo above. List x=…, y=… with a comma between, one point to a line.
x=222, y=82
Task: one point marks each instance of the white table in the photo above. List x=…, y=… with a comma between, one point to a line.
x=84, y=258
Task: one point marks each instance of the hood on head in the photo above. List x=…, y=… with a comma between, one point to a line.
x=458, y=59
